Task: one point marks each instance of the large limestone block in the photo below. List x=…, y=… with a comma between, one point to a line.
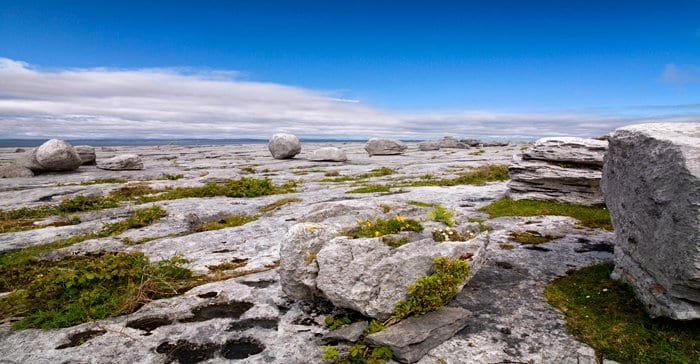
x=451, y=142
x=53, y=155
x=429, y=145
x=413, y=337
x=377, y=146
x=15, y=171
x=569, y=150
x=121, y=162
x=540, y=180
x=651, y=182
x=284, y=146
x=86, y=153
x=367, y=276
x=329, y=154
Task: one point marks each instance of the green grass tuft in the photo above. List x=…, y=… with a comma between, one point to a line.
x=589, y=216
x=394, y=242
x=103, y=181
x=531, y=237
x=279, y=203
x=606, y=315
x=442, y=214
x=381, y=227
x=432, y=292
x=477, y=176
x=371, y=189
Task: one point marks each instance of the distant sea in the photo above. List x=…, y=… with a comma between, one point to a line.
x=136, y=142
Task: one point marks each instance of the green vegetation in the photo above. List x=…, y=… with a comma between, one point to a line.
x=377, y=172
x=357, y=354
x=421, y=204
x=385, y=208
x=331, y=174
x=482, y=226
x=394, y=242
x=506, y=246
x=380, y=227
x=279, y=203
x=243, y=187
x=606, y=315
x=449, y=234
x=432, y=292
x=103, y=181
x=248, y=169
x=589, y=216
x=531, y=237
x=226, y=222
x=373, y=327
x=80, y=289
x=170, y=177
x=477, y=176
x=478, y=152
x=230, y=265
x=442, y=214
x=371, y=189
x=333, y=323
x=16, y=270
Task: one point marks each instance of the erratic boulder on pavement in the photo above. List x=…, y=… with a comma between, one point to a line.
x=54, y=155
x=651, y=181
x=86, y=153
x=377, y=146
x=412, y=338
x=560, y=169
x=121, y=163
x=368, y=276
x=429, y=145
x=471, y=142
x=451, y=142
x=15, y=171
x=329, y=154
x=284, y=146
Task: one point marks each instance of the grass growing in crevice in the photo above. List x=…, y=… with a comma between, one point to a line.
x=103, y=181
x=243, y=187
x=371, y=189
x=421, y=204
x=16, y=268
x=589, y=216
x=279, y=203
x=377, y=172
x=334, y=323
x=431, y=292
x=381, y=227
x=360, y=353
x=606, y=315
x=170, y=177
x=442, y=214
x=80, y=289
x=226, y=222
x=229, y=265
x=394, y=242
x=531, y=237
x=477, y=176
x=482, y=226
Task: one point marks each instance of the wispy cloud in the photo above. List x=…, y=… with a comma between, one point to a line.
x=673, y=73
x=187, y=103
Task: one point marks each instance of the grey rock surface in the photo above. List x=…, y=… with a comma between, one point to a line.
x=122, y=162
x=541, y=180
x=651, y=181
x=429, y=146
x=377, y=146
x=53, y=155
x=331, y=154
x=284, y=146
x=15, y=171
x=413, y=337
x=568, y=150
x=504, y=296
x=350, y=333
x=471, y=142
x=86, y=153
x=368, y=276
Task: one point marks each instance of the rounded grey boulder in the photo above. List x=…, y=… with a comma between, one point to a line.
x=377, y=146
x=284, y=146
x=121, y=162
x=54, y=155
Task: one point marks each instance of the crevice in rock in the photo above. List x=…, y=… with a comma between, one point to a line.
x=241, y=348
x=80, y=338
x=211, y=294
x=219, y=310
x=259, y=284
x=270, y=324
x=149, y=324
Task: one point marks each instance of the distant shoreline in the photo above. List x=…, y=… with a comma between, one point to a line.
x=146, y=142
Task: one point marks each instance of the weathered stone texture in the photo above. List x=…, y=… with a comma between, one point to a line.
x=53, y=155
x=284, y=146
x=331, y=154
x=651, y=181
x=376, y=146
x=121, y=162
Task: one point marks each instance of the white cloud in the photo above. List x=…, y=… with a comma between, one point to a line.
x=675, y=74
x=186, y=103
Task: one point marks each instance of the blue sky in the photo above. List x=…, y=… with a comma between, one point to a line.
x=512, y=69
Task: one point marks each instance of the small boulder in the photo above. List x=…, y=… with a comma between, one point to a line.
x=121, y=162
x=471, y=142
x=651, y=181
x=52, y=156
x=451, y=142
x=86, y=153
x=377, y=146
x=15, y=171
x=284, y=146
x=412, y=338
x=429, y=145
x=330, y=154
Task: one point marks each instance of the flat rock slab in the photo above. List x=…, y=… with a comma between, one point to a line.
x=15, y=171
x=349, y=333
x=413, y=337
x=123, y=162
x=569, y=150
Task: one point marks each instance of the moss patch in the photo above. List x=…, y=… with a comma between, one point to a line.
x=589, y=216
x=432, y=292
x=476, y=176
x=103, y=181
x=531, y=237
x=606, y=315
x=279, y=203
x=394, y=242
